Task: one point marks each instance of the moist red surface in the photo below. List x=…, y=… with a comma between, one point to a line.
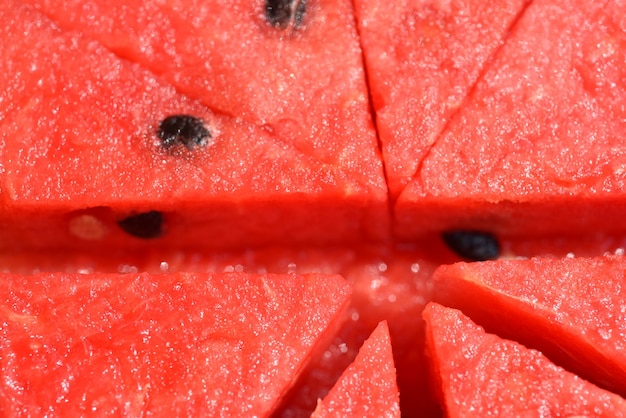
x=183, y=343
x=540, y=134
x=389, y=284
x=570, y=309
x=367, y=388
x=305, y=86
x=423, y=58
x=479, y=374
x=91, y=149
x=328, y=152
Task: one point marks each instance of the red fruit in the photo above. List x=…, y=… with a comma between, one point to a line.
x=571, y=309
x=367, y=388
x=423, y=59
x=538, y=148
x=88, y=160
x=482, y=375
x=181, y=344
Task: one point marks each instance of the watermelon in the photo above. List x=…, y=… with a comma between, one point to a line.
x=367, y=388
x=173, y=170
x=447, y=44
x=168, y=136
x=541, y=131
x=391, y=284
x=571, y=309
x=182, y=344
x=481, y=375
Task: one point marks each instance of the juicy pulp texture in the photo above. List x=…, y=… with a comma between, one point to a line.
x=367, y=388
x=91, y=156
x=388, y=284
x=307, y=86
x=273, y=172
x=541, y=133
x=182, y=343
x=570, y=309
x=423, y=58
x=481, y=375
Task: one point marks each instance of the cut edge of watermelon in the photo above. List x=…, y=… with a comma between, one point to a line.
x=331, y=405
x=452, y=285
x=611, y=401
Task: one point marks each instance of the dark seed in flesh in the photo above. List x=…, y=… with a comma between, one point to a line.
x=146, y=225
x=280, y=13
x=183, y=130
x=473, y=245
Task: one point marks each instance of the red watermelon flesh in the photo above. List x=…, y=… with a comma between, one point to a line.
x=481, y=375
x=367, y=388
x=187, y=344
x=91, y=157
x=423, y=58
x=571, y=309
x=389, y=284
x=541, y=132
x=305, y=85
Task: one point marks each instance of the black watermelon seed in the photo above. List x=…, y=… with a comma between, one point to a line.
x=146, y=225
x=280, y=13
x=473, y=245
x=183, y=130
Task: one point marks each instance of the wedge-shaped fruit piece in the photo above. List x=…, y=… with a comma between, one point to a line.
x=367, y=388
x=179, y=344
x=303, y=80
x=97, y=149
x=542, y=130
x=478, y=374
x=571, y=309
x=389, y=284
x=297, y=75
x=422, y=59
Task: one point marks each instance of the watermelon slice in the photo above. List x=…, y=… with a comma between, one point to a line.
x=389, y=284
x=423, y=58
x=163, y=181
x=304, y=82
x=483, y=375
x=183, y=344
x=368, y=387
x=571, y=309
x=542, y=131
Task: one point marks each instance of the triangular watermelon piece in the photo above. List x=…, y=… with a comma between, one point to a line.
x=481, y=375
x=181, y=344
x=542, y=131
x=301, y=79
x=571, y=309
x=84, y=159
x=423, y=59
x=392, y=285
x=367, y=388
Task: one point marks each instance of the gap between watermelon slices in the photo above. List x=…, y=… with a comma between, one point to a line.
x=471, y=88
x=423, y=59
x=540, y=135
x=389, y=284
x=570, y=309
x=480, y=375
